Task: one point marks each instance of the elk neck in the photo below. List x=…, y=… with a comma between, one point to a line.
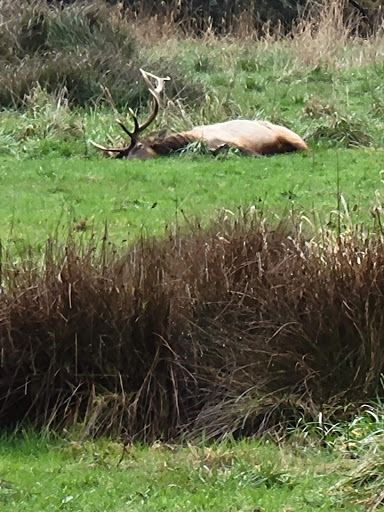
x=171, y=143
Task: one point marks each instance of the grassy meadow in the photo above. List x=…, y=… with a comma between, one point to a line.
x=44, y=196
x=160, y=342
x=52, y=179
x=324, y=83
x=342, y=472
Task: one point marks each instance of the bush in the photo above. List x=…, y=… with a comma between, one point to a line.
x=235, y=330
x=81, y=47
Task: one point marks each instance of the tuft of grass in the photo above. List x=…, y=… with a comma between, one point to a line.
x=327, y=124
x=238, y=330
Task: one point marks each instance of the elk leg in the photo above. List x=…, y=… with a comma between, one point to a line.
x=249, y=152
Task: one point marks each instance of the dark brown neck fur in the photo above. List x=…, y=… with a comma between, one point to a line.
x=171, y=143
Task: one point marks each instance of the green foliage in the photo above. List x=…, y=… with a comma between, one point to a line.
x=363, y=441
x=361, y=444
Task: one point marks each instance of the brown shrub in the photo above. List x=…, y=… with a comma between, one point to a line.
x=234, y=330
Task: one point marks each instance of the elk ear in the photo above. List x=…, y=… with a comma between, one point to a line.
x=157, y=137
x=162, y=134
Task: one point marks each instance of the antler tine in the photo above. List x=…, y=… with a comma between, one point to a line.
x=159, y=82
x=120, y=123
x=98, y=146
x=136, y=123
x=110, y=151
x=155, y=91
x=152, y=115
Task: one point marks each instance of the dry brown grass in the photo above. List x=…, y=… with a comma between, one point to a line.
x=328, y=34
x=333, y=36
x=236, y=330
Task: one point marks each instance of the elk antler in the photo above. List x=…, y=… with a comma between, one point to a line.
x=155, y=91
x=159, y=83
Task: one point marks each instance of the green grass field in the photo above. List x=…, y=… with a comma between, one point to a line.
x=318, y=467
x=52, y=179
x=37, y=475
x=41, y=196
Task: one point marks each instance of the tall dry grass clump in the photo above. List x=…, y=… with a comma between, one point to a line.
x=235, y=330
x=333, y=34
x=327, y=34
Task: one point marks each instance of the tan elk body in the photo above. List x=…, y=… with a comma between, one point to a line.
x=254, y=138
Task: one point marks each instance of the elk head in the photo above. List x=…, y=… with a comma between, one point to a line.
x=137, y=149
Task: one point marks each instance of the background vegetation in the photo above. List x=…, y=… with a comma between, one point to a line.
x=223, y=17
x=322, y=81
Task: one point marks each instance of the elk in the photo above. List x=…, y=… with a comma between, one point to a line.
x=252, y=138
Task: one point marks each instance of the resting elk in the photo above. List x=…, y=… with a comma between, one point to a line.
x=252, y=138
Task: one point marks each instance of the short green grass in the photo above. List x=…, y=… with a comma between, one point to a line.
x=316, y=466
x=38, y=475
x=40, y=196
